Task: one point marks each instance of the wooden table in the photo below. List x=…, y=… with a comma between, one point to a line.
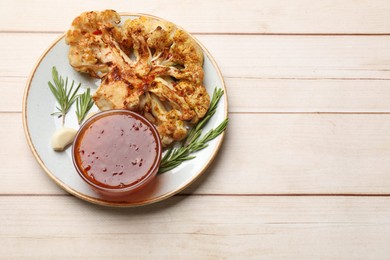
x=304, y=171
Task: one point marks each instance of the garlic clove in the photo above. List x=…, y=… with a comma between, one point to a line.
x=62, y=138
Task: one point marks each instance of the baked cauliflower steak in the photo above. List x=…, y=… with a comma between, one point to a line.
x=145, y=65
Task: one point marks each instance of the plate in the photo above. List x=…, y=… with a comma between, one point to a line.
x=39, y=125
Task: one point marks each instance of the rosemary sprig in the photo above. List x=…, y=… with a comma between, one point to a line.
x=217, y=94
x=84, y=103
x=64, y=96
x=194, y=142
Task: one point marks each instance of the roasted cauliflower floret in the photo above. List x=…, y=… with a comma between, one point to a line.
x=94, y=39
x=146, y=65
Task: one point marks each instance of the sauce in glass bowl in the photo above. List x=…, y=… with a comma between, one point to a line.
x=117, y=152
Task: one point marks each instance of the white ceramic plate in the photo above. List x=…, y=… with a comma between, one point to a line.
x=39, y=126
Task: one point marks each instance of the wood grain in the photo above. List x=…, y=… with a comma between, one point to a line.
x=271, y=95
x=308, y=96
x=248, y=56
x=262, y=154
x=197, y=227
x=264, y=16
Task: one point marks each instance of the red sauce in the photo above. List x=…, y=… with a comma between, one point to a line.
x=117, y=150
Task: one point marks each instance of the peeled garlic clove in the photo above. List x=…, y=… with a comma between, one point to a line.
x=62, y=138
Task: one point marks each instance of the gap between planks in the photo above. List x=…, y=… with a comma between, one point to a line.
x=263, y=78
x=230, y=195
x=278, y=113
x=295, y=78
x=224, y=33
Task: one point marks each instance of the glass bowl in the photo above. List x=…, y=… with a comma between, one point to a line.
x=117, y=152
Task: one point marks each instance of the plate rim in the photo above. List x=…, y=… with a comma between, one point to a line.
x=104, y=202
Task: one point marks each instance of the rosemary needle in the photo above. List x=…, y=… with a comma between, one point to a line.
x=64, y=95
x=194, y=142
x=84, y=103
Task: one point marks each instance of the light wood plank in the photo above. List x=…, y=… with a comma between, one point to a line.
x=292, y=96
x=264, y=16
x=311, y=57
x=312, y=153
x=270, y=95
x=253, y=56
x=262, y=154
x=21, y=172
x=197, y=227
x=13, y=89
x=20, y=52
